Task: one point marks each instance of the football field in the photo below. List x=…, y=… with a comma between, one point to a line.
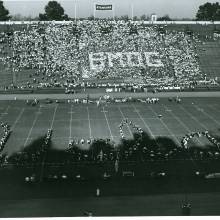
x=76, y=121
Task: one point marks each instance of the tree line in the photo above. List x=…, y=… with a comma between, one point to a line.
x=54, y=11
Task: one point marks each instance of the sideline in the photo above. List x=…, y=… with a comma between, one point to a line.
x=113, y=95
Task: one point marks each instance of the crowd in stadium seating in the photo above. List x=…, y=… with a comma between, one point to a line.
x=59, y=54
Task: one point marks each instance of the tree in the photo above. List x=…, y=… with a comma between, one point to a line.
x=91, y=17
x=4, y=13
x=116, y=18
x=144, y=17
x=164, y=18
x=124, y=17
x=208, y=12
x=135, y=18
x=19, y=17
x=53, y=11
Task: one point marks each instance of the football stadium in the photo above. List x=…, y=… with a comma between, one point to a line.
x=109, y=117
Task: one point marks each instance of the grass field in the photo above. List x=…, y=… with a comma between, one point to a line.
x=72, y=121
x=166, y=205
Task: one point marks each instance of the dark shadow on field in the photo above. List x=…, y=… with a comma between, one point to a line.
x=159, y=166
x=142, y=148
x=30, y=154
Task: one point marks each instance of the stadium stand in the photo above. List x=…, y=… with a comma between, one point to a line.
x=209, y=53
x=51, y=54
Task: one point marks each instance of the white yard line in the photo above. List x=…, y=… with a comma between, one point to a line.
x=187, y=128
x=215, y=106
x=195, y=119
x=108, y=124
x=142, y=119
x=210, y=117
x=125, y=118
x=181, y=122
x=164, y=124
x=18, y=118
x=192, y=117
x=71, y=119
x=178, y=119
x=30, y=131
x=54, y=114
x=6, y=111
x=45, y=154
x=90, y=130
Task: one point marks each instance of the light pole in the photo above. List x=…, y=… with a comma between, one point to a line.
x=75, y=1
x=132, y=12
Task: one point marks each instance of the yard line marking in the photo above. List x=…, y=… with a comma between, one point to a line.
x=178, y=119
x=71, y=119
x=18, y=118
x=104, y=111
x=181, y=122
x=45, y=154
x=213, y=108
x=108, y=124
x=191, y=116
x=53, y=119
x=38, y=113
x=209, y=116
x=126, y=123
x=2, y=114
x=136, y=111
x=216, y=106
x=140, y=117
x=189, y=130
x=90, y=130
x=164, y=124
x=30, y=131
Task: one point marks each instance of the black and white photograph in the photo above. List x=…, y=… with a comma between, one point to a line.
x=109, y=108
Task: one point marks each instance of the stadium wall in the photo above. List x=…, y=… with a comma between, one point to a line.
x=145, y=22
